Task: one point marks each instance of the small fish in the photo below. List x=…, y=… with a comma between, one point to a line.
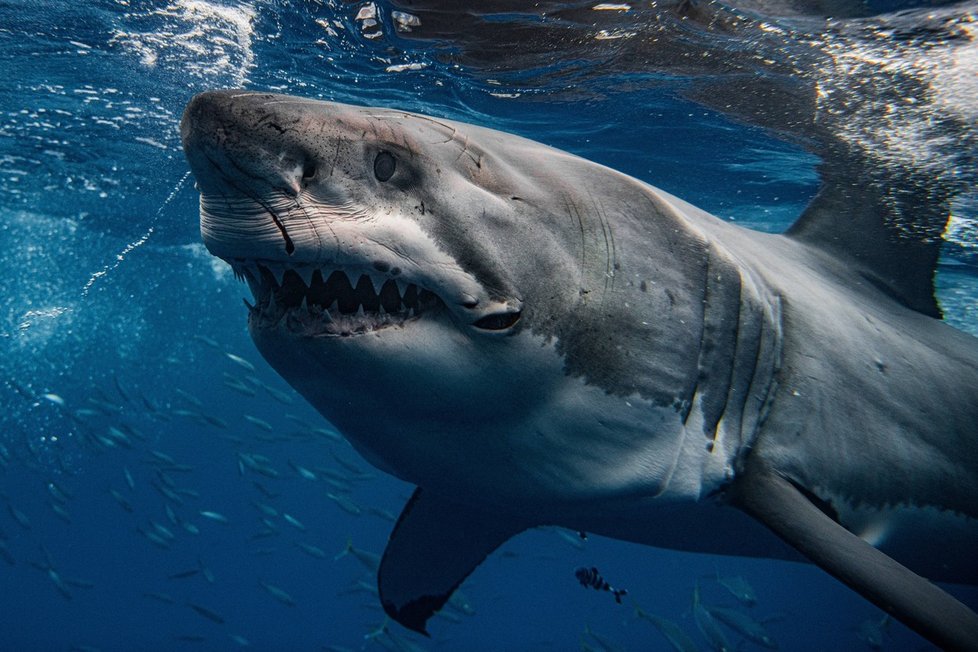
x=211, y=342
x=739, y=588
x=266, y=509
x=352, y=467
x=133, y=432
x=166, y=479
x=189, y=398
x=119, y=388
x=167, y=492
x=217, y=422
x=240, y=640
x=345, y=504
x=265, y=491
x=311, y=550
x=279, y=395
x=337, y=479
x=677, y=638
x=744, y=625
x=590, y=577
x=328, y=433
x=205, y=571
x=260, y=423
x=707, y=624
x=572, y=539
x=154, y=537
x=453, y=618
x=369, y=560
x=603, y=641
x=361, y=586
x=278, y=593
x=62, y=513
x=302, y=471
x=206, y=613
x=59, y=583
x=129, y=478
x=265, y=532
x=382, y=513
x=54, y=398
x=171, y=515
x=460, y=603
x=19, y=516
x=160, y=456
x=871, y=632
x=238, y=386
x=258, y=463
x=162, y=597
x=58, y=493
x=181, y=575
x=163, y=531
x=238, y=360
x=298, y=421
x=215, y=516
x=152, y=409
x=107, y=408
x=190, y=527
x=123, y=502
x=293, y=521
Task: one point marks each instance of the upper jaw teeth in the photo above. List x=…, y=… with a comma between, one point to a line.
x=363, y=299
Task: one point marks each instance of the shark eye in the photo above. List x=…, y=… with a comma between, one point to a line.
x=308, y=171
x=384, y=166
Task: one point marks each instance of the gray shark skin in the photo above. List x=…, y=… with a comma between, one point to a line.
x=532, y=338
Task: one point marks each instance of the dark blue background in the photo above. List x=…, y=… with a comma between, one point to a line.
x=90, y=164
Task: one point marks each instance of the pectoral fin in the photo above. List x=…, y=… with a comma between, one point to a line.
x=912, y=599
x=433, y=548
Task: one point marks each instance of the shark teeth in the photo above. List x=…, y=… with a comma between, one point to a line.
x=320, y=301
x=306, y=272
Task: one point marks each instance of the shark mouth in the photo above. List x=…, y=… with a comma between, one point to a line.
x=321, y=302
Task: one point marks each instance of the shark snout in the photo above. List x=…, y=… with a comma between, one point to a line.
x=234, y=139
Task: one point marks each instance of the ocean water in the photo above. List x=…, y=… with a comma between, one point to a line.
x=164, y=489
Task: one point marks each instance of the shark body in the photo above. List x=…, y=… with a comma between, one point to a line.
x=532, y=338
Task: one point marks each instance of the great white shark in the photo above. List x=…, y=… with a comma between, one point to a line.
x=534, y=339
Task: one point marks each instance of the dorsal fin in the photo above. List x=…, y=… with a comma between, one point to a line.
x=887, y=226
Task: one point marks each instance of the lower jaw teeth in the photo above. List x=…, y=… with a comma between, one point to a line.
x=318, y=321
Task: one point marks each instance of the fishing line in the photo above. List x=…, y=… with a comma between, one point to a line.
x=132, y=246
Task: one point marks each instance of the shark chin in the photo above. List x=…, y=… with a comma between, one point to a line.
x=535, y=339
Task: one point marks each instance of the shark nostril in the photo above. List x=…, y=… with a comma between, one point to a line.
x=308, y=170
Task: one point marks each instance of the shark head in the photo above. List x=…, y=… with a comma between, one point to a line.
x=472, y=309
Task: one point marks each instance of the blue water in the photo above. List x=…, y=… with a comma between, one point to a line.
x=124, y=416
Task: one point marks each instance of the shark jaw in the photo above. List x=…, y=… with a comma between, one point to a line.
x=377, y=277
x=319, y=302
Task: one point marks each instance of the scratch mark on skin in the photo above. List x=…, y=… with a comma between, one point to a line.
x=609, y=275
x=447, y=128
x=312, y=224
x=572, y=212
x=289, y=245
x=336, y=156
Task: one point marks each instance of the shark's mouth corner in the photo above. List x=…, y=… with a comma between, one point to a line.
x=312, y=301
